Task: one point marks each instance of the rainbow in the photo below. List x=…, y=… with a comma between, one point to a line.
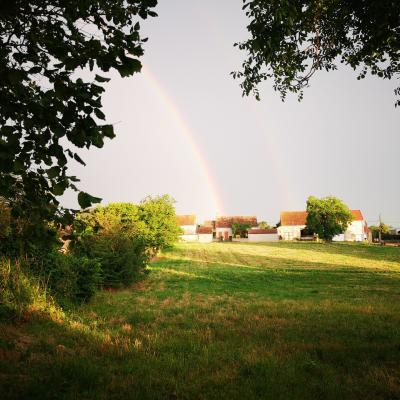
x=188, y=134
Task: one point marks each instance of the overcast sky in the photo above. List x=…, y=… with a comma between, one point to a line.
x=183, y=128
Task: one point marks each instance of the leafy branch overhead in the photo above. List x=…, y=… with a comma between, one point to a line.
x=290, y=40
x=46, y=110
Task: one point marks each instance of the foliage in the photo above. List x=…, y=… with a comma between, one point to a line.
x=47, y=109
x=264, y=225
x=124, y=236
x=158, y=216
x=113, y=235
x=69, y=277
x=122, y=257
x=238, y=228
x=26, y=235
x=382, y=227
x=327, y=217
x=5, y=220
x=20, y=292
x=290, y=40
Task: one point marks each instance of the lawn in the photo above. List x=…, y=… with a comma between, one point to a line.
x=223, y=321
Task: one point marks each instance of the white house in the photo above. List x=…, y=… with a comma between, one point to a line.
x=293, y=222
x=263, y=235
x=223, y=225
x=205, y=234
x=357, y=231
x=188, y=224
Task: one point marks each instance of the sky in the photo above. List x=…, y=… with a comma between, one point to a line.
x=184, y=129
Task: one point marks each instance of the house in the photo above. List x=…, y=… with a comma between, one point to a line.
x=293, y=224
x=188, y=224
x=263, y=235
x=205, y=234
x=395, y=231
x=223, y=225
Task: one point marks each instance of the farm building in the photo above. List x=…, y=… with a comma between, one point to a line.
x=205, y=234
x=263, y=235
x=293, y=224
x=188, y=224
x=223, y=225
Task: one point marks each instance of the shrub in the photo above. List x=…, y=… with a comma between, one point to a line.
x=122, y=257
x=69, y=277
x=124, y=236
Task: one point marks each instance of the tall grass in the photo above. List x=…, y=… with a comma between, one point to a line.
x=21, y=293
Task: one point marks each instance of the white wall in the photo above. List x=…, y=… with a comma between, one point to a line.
x=189, y=229
x=189, y=238
x=220, y=231
x=355, y=232
x=263, y=237
x=290, y=232
x=205, y=237
x=338, y=238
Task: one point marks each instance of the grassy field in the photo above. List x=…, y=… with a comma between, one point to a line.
x=223, y=321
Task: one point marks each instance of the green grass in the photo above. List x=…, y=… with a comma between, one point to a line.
x=232, y=321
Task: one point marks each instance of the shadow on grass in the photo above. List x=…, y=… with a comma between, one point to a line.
x=257, y=353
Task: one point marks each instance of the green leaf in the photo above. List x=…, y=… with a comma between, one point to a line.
x=129, y=66
x=108, y=131
x=99, y=114
x=53, y=172
x=77, y=158
x=99, y=78
x=59, y=188
x=85, y=200
x=35, y=70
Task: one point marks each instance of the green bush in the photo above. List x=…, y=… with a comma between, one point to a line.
x=69, y=277
x=124, y=236
x=122, y=257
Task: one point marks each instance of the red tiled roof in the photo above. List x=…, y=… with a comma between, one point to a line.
x=290, y=218
x=226, y=222
x=204, y=230
x=186, y=220
x=262, y=231
x=357, y=214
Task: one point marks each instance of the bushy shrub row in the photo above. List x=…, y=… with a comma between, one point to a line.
x=110, y=246
x=124, y=236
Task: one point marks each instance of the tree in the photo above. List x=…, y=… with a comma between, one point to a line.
x=327, y=217
x=158, y=215
x=290, y=40
x=46, y=110
x=382, y=229
x=238, y=228
x=264, y=225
